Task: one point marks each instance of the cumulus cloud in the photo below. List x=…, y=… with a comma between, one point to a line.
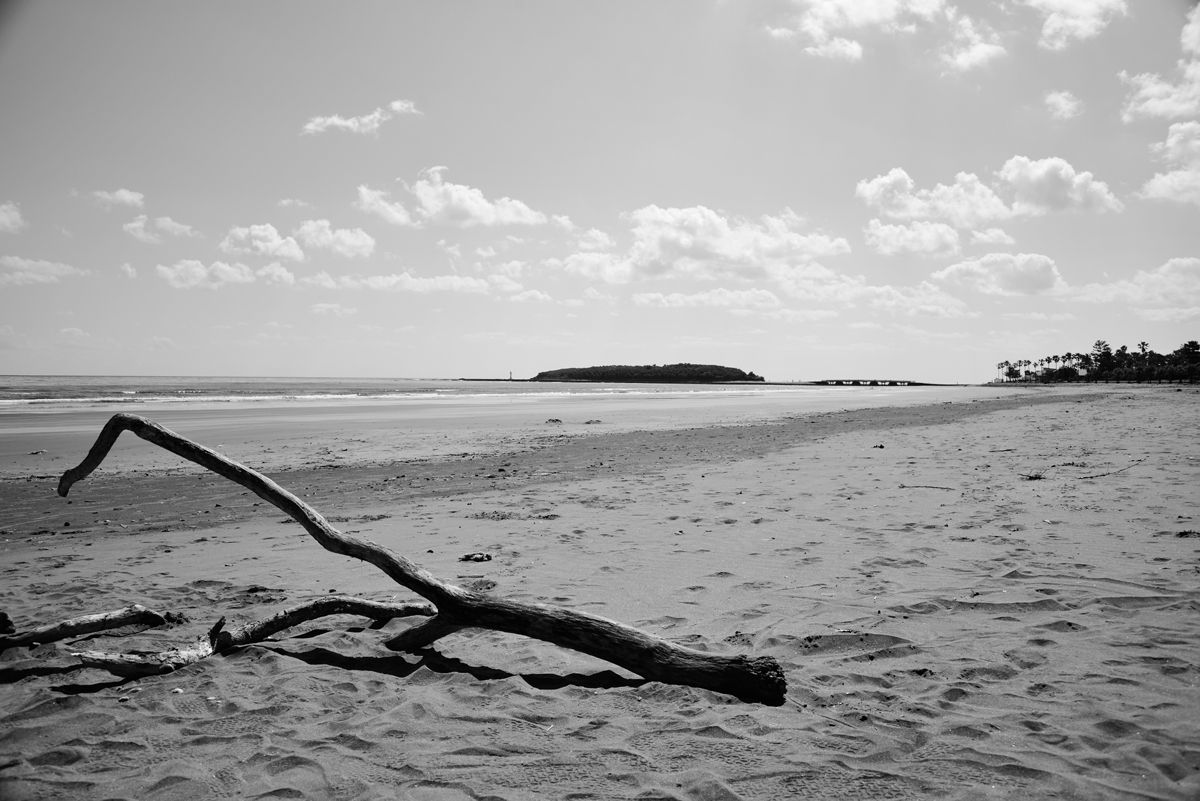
x=972, y=43
x=139, y=229
x=701, y=242
x=1181, y=150
x=128, y=270
x=377, y=202
x=261, y=240
x=1063, y=105
x=11, y=220
x=713, y=298
x=1172, y=291
x=1052, y=184
x=192, y=274
x=966, y=203
x=1036, y=187
x=169, y=226
x=921, y=236
x=1152, y=95
x=363, y=124
x=119, y=197
x=1068, y=21
x=820, y=23
x=1005, y=274
x=439, y=201
x=400, y=282
x=18, y=271
x=347, y=242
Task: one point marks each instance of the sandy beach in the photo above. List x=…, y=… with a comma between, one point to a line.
x=983, y=593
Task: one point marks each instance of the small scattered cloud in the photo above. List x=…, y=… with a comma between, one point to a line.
x=713, y=298
x=333, y=310
x=128, y=270
x=119, y=197
x=378, y=202
x=442, y=202
x=261, y=240
x=169, y=226
x=531, y=296
x=1152, y=95
x=1063, y=105
x=294, y=203
x=348, y=242
x=836, y=48
x=137, y=229
x=400, y=282
x=973, y=43
x=594, y=239
x=140, y=229
x=1181, y=150
x=1005, y=274
x=920, y=236
x=826, y=25
x=193, y=274
x=369, y=123
x=19, y=271
x=437, y=201
x=1065, y=22
x=11, y=220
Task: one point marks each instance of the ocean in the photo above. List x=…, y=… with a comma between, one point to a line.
x=23, y=391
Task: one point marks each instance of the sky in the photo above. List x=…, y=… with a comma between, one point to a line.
x=806, y=189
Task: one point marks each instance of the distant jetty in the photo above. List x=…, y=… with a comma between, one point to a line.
x=651, y=373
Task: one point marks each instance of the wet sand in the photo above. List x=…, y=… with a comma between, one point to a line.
x=990, y=598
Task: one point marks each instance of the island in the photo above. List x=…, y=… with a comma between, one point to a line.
x=650, y=373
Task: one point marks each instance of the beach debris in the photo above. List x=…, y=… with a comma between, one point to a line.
x=450, y=609
x=475, y=557
x=554, y=421
x=134, y=614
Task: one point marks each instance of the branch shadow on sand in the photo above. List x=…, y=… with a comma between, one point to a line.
x=438, y=662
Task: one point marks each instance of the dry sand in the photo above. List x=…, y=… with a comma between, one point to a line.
x=949, y=627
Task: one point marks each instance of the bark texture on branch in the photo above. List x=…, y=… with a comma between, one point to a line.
x=758, y=679
x=134, y=614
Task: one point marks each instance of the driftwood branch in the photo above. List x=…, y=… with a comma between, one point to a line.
x=132, y=615
x=756, y=679
x=219, y=640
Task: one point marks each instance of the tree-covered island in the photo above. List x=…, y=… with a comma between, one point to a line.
x=650, y=373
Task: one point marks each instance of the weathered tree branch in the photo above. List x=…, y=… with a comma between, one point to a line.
x=758, y=679
x=218, y=640
x=134, y=614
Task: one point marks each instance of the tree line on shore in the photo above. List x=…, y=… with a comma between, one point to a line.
x=1103, y=363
